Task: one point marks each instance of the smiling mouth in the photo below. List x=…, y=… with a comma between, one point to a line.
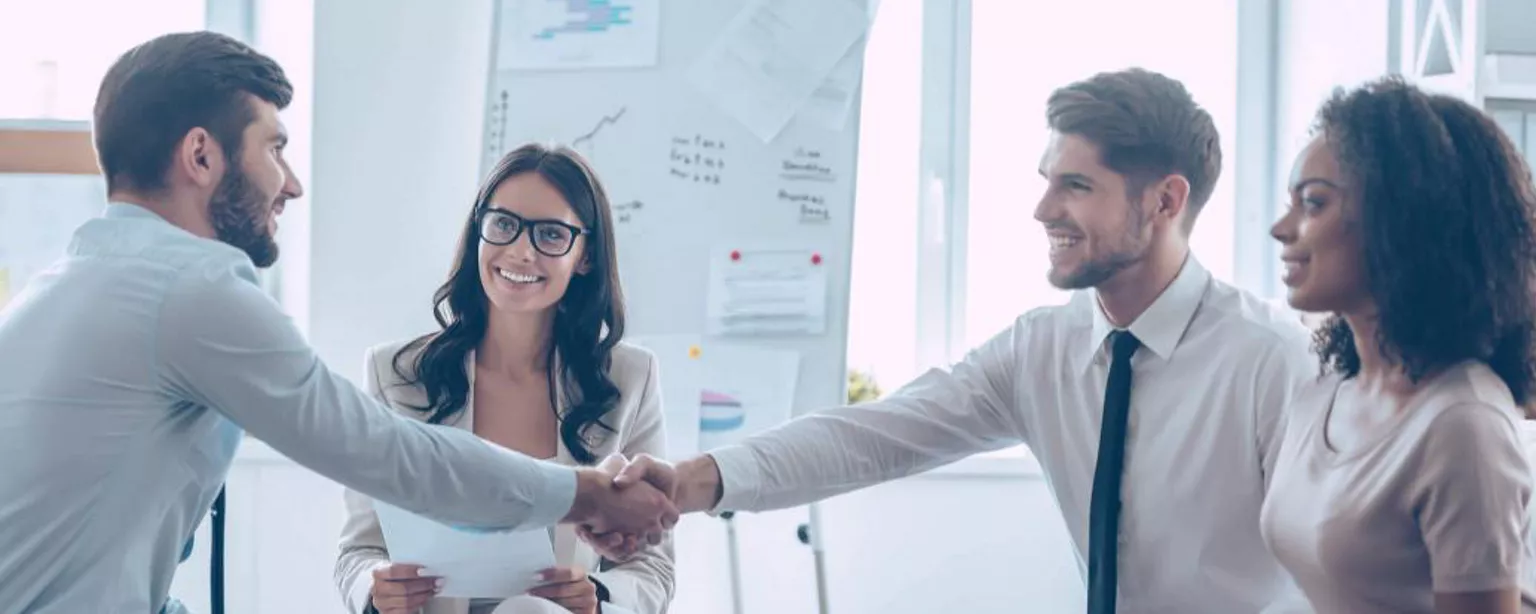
x=518, y=278
x=1060, y=242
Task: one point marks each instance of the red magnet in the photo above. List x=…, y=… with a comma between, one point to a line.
x=735, y=255
x=815, y=258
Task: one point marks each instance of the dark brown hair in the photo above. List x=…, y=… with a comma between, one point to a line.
x=1448, y=222
x=158, y=91
x=1146, y=127
x=589, y=319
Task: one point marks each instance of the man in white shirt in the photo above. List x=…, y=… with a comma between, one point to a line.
x=1163, y=504
x=133, y=364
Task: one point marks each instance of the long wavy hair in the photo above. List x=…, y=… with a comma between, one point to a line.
x=1448, y=218
x=588, y=322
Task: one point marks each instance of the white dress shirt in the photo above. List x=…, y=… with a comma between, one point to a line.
x=1216, y=369
x=131, y=367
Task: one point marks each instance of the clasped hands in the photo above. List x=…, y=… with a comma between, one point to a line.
x=624, y=505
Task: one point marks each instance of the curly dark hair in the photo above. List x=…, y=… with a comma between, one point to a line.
x=1448, y=220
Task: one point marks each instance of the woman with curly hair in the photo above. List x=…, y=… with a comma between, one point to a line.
x=1401, y=484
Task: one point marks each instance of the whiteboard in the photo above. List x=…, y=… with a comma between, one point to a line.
x=688, y=182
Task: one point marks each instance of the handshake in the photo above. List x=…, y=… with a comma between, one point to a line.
x=623, y=505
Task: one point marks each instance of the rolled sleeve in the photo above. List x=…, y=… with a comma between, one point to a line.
x=740, y=478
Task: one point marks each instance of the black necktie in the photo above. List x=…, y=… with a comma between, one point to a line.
x=1104, y=511
x=216, y=556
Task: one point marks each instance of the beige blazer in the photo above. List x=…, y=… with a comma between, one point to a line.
x=644, y=584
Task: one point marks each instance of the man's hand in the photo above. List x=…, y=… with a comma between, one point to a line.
x=642, y=511
x=693, y=485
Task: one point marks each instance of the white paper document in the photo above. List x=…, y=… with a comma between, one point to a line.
x=747, y=390
x=766, y=292
x=830, y=103
x=769, y=60
x=472, y=564
x=577, y=34
x=682, y=378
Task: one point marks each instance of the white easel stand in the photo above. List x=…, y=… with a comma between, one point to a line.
x=733, y=554
x=810, y=534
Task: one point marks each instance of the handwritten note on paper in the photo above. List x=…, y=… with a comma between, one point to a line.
x=697, y=159
x=767, y=292
x=472, y=564
x=830, y=103
x=805, y=177
x=769, y=60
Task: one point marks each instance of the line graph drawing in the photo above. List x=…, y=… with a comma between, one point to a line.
x=587, y=139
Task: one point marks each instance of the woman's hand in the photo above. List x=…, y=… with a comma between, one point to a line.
x=569, y=588
x=400, y=588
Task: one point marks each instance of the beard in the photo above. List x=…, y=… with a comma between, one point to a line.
x=239, y=213
x=1131, y=250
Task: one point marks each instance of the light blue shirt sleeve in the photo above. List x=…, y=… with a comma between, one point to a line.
x=226, y=345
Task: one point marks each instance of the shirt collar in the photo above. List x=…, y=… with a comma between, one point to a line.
x=1162, y=325
x=121, y=210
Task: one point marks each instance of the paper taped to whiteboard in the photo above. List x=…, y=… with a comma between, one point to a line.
x=577, y=34
x=766, y=291
x=768, y=62
x=747, y=390
x=681, y=369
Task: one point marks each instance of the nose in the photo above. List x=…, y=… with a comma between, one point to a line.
x=521, y=247
x=1048, y=209
x=1284, y=229
x=292, y=189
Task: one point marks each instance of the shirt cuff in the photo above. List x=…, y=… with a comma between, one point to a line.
x=740, y=478
x=555, y=496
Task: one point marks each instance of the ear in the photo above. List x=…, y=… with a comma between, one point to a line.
x=585, y=266
x=1172, y=195
x=199, y=159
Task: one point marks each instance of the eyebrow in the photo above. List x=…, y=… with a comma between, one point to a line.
x=526, y=218
x=1070, y=177
x=281, y=138
x=1301, y=185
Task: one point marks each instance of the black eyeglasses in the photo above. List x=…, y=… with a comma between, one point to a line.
x=552, y=238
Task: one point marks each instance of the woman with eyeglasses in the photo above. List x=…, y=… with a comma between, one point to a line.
x=529, y=357
x=1402, y=485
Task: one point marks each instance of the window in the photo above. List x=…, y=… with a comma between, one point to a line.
x=53, y=54
x=882, y=309
x=1020, y=52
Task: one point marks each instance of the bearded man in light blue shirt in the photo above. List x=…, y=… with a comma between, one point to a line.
x=134, y=363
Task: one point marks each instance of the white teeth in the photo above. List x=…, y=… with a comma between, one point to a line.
x=1063, y=242
x=518, y=278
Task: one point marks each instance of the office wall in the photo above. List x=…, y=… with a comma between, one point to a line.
x=396, y=115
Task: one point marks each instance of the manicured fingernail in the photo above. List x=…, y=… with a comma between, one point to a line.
x=438, y=584
x=422, y=572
